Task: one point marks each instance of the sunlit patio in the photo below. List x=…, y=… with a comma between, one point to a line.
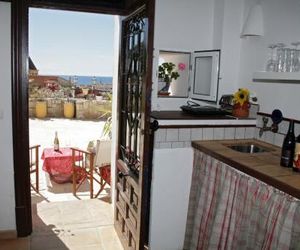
x=71, y=133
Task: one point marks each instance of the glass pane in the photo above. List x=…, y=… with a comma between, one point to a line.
x=202, y=80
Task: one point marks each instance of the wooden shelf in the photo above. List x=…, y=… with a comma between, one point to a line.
x=282, y=77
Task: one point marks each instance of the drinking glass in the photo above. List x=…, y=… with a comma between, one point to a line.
x=271, y=63
x=287, y=63
x=295, y=53
x=296, y=65
x=280, y=57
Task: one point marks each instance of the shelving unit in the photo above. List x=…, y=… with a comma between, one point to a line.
x=283, y=77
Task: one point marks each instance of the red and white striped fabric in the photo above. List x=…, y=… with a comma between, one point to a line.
x=235, y=211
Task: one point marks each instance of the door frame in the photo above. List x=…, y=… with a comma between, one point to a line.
x=19, y=29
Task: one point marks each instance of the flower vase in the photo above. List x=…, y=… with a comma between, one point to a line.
x=241, y=111
x=165, y=90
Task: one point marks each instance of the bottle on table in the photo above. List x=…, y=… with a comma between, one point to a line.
x=288, y=147
x=56, y=142
x=296, y=163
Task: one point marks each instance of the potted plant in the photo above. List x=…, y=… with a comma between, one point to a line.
x=241, y=103
x=167, y=72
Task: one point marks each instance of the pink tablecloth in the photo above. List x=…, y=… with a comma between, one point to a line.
x=59, y=164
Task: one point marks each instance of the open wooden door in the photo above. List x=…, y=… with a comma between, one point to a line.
x=134, y=151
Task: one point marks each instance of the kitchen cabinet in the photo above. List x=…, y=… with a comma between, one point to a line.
x=229, y=209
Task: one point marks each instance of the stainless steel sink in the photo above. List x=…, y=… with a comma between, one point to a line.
x=248, y=148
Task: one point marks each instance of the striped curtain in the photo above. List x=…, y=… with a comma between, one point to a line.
x=230, y=210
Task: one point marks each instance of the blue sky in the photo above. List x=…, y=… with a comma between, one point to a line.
x=71, y=43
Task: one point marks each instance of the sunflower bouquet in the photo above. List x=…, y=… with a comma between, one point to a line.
x=241, y=97
x=241, y=103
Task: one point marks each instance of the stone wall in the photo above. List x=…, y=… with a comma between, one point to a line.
x=84, y=109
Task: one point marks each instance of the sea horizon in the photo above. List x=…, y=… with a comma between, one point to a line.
x=86, y=80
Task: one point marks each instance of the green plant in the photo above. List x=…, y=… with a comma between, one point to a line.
x=167, y=72
x=106, y=131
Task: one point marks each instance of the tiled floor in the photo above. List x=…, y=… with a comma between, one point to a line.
x=74, y=225
x=71, y=225
x=61, y=220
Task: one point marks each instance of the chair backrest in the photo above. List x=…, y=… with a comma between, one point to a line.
x=33, y=157
x=103, y=153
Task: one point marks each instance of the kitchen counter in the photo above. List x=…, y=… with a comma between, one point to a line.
x=179, y=119
x=263, y=166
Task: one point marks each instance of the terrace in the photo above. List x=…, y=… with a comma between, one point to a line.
x=71, y=133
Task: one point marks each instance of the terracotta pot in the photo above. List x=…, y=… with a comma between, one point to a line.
x=241, y=111
x=41, y=109
x=69, y=109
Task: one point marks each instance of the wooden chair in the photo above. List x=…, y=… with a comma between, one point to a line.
x=102, y=164
x=34, y=166
x=83, y=169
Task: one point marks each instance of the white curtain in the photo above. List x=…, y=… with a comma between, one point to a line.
x=230, y=210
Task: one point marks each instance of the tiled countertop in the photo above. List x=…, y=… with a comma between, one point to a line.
x=263, y=166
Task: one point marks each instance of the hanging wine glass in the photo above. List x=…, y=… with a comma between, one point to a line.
x=295, y=57
x=280, y=57
x=271, y=63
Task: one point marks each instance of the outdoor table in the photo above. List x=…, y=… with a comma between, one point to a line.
x=59, y=164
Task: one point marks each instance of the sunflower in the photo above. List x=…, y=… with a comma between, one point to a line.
x=241, y=96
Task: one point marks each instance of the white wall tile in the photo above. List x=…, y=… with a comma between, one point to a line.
x=250, y=133
x=187, y=144
x=177, y=144
x=172, y=135
x=259, y=122
x=184, y=134
x=208, y=133
x=160, y=135
x=239, y=133
x=263, y=137
x=165, y=145
x=219, y=133
x=196, y=134
x=156, y=145
x=269, y=137
x=283, y=127
x=278, y=139
x=297, y=129
x=229, y=133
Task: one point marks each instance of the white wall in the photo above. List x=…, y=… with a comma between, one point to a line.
x=199, y=25
x=180, y=26
x=114, y=146
x=230, y=46
x=171, y=182
x=7, y=204
x=281, y=24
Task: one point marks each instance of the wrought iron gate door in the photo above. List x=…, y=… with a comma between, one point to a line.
x=132, y=181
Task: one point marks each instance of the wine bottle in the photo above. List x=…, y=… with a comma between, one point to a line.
x=288, y=147
x=56, y=142
x=296, y=162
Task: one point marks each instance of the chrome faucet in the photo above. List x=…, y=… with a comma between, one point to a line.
x=273, y=127
x=276, y=118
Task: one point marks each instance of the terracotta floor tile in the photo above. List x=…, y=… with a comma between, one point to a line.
x=112, y=245
x=83, y=237
x=15, y=244
x=107, y=233
x=50, y=241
